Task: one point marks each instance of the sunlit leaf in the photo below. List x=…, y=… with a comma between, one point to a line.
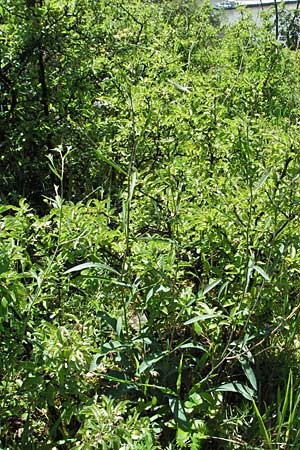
x=261, y=272
x=261, y=424
x=201, y=317
x=91, y=265
x=239, y=388
x=192, y=346
x=109, y=161
x=132, y=185
x=248, y=371
x=262, y=180
x=177, y=408
x=211, y=286
x=149, y=362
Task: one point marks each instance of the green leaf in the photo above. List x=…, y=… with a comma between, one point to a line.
x=157, y=239
x=249, y=274
x=163, y=389
x=5, y=208
x=193, y=346
x=53, y=168
x=111, y=346
x=185, y=89
x=149, y=362
x=108, y=347
x=110, y=162
x=262, y=180
x=202, y=317
x=4, y=262
x=4, y=304
x=262, y=426
x=261, y=272
x=182, y=436
x=91, y=265
x=211, y=285
x=132, y=186
x=281, y=419
x=178, y=411
x=94, y=363
x=179, y=376
x=248, y=371
x=239, y=388
x=119, y=326
x=116, y=324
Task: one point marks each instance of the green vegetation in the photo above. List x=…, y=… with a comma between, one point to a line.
x=149, y=227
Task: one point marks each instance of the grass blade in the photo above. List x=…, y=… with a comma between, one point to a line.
x=265, y=434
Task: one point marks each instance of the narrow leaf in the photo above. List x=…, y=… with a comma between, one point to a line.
x=132, y=186
x=239, y=388
x=261, y=272
x=185, y=89
x=262, y=426
x=202, y=317
x=248, y=371
x=211, y=285
x=178, y=411
x=53, y=168
x=91, y=265
x=262, y=180
x=249, y=274
x=179, y=376
x=157, y=239
x=163, y=389
x=119, y=325
x=149, y=294
x=149, y=362
x=193, y=346
x=282, y=414
x=110, y=162
x=5, y=208
x=111, y=346
x=108, y=347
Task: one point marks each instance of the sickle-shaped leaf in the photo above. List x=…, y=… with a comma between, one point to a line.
x=211, y=285
x=202, y=317
x=261, y=272
x=239, y=388
x=91, y=265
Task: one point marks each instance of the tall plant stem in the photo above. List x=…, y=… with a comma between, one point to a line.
x=129, y=193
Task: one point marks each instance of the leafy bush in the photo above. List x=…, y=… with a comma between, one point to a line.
x=149, y=280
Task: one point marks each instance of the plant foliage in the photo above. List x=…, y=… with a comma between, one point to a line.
x=149, y=227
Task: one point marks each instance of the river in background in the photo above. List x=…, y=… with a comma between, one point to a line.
x=233, y=15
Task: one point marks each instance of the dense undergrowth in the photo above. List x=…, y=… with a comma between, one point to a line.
x=149, y=232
